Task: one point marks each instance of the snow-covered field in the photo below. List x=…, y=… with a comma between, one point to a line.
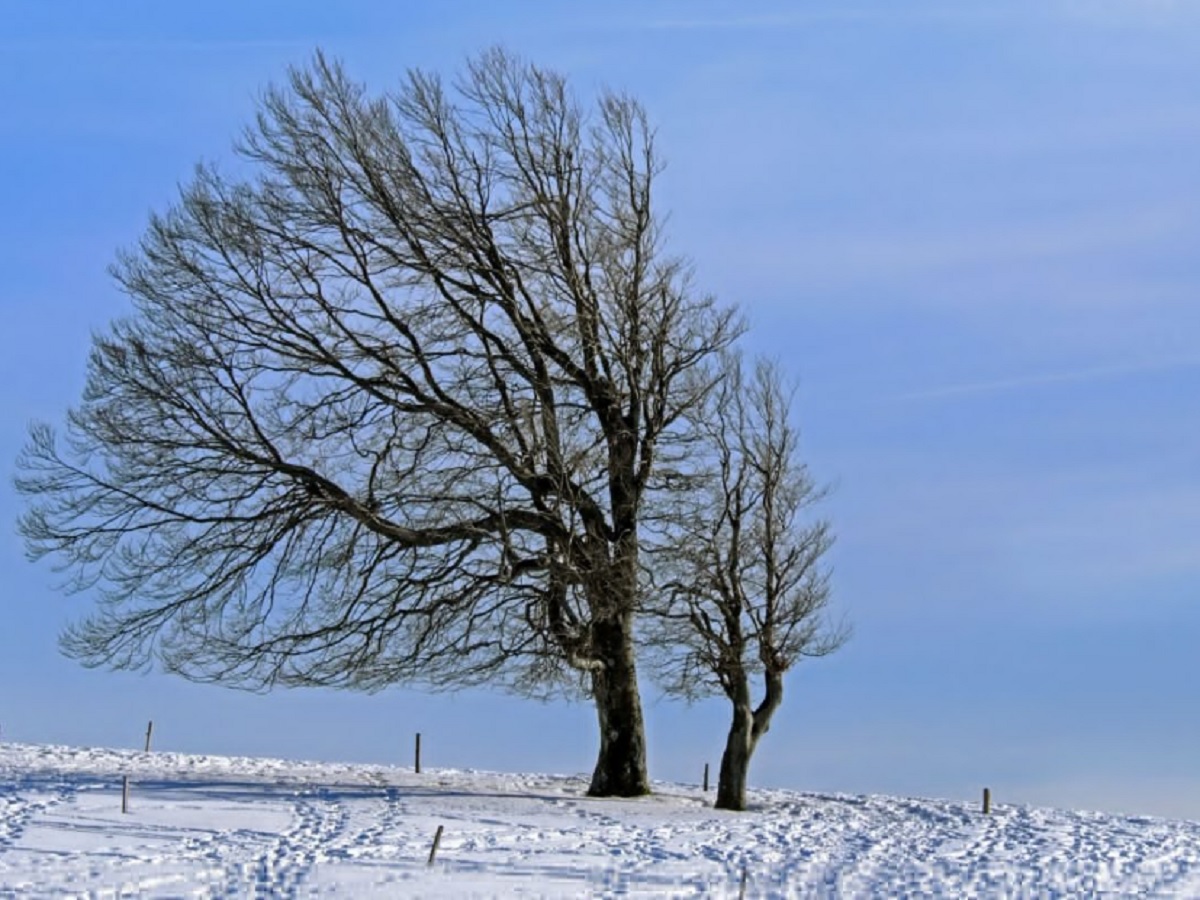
x=205, y=826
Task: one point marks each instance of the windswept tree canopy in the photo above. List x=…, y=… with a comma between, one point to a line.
x=388, y=408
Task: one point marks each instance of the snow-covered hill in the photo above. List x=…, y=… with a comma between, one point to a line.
x=202, y=826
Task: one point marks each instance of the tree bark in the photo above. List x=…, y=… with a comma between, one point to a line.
x=621, y=764
x=735, y=761
x=747, y=727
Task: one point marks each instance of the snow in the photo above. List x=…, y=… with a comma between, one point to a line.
x=208, y=826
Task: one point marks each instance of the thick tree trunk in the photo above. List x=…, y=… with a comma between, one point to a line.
x=621, y=765
x=747, y=727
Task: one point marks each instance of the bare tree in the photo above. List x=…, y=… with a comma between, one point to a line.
x=390, y=402
x=738, y=567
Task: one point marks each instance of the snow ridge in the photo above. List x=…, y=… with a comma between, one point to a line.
x=209, y=826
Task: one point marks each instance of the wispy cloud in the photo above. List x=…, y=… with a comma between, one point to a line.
x=833, y=13
x=1019, y=242
x=1085, y=12
x=141, y=45
x=1024, y=382
x=1161, y=126
x=750, y=22
x=1129, y=12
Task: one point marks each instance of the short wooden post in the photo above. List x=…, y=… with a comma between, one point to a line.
x=987, y=801
x=742, y=891
x=125, y=794
x=149, y=731
x=437, y=839
x=706, y=778
x=417, y=761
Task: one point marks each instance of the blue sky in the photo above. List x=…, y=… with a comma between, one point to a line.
x=969, y=229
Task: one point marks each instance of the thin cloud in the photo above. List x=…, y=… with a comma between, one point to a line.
x=1130, y=12
x=1085, y=12
x=1019, y=242
x=137, y=45
x=836, y=14
x=752, y=22
x=1159, y=127
x=1097, y=373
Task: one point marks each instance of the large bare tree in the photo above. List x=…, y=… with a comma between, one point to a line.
x=738, y=570
x=390, y=402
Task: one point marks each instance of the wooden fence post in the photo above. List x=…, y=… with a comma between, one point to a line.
x=437, y=839
x=706, y=778
x=417, y=761
x=742, y=891
x=987, y=801
x=149, y=731
x=125, y=794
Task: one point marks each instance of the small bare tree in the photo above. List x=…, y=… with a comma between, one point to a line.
x=738, y=568
x=389, y=406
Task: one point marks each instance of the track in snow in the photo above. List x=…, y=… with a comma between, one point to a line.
x=217, y=827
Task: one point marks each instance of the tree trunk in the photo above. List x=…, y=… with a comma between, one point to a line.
x=747, y=727
x=612, y=598
x=735, y=761
x=621, y=765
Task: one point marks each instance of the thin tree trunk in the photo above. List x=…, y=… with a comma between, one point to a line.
x=621, y=766
x=747, y=727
